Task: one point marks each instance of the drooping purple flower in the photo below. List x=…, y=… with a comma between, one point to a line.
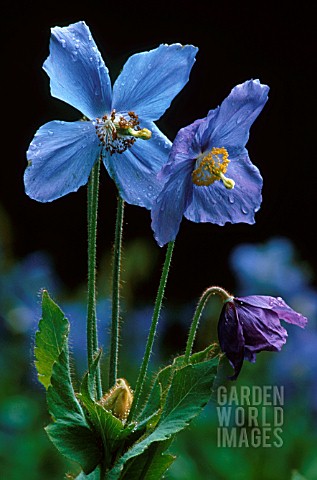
x=249, y=325
x=209, y=176
x=118, y=123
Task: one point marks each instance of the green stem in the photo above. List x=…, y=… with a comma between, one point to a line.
x=114, y=342
x=194, y=326
x=92, y=211
x=151, y=336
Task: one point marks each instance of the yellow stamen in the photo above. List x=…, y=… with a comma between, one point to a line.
x=228, y=182
x=144, y=134
x=212, y=167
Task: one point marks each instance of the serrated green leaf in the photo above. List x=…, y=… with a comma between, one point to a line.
x=189, y=392
x=76, y=442
x=163, y=380
x=50, y=338
x=95, y=475
x=61, y=399
x=110, y=429
x=204, y=355
x=150, y=465
x=70, y=431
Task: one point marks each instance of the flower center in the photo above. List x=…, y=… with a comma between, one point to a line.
x=212, y=167
x=117, y=132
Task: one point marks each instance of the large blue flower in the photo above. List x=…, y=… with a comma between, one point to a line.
x=118, y=123
x=209, y=176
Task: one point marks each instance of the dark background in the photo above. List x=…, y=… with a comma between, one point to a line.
x=236, y=42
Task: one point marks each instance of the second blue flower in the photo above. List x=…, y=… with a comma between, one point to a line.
x=209, y=176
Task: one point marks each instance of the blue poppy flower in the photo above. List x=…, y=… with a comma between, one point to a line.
x=209, y=176
x=249, y=325
x=118, y=123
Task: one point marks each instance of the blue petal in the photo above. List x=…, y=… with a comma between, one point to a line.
x=218, y=205
x=228, y=126
x=176, y=194
x=167, y=210
x=60, y=157
x=150, y=80
x=77, y=72
x=135, y=170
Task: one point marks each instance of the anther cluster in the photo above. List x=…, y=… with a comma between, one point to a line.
x=114, y=131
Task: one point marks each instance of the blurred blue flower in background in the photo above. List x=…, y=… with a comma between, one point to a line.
x=19, y=284
x=269, y=268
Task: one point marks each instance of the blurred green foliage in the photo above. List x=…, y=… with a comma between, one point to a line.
x=25, y=451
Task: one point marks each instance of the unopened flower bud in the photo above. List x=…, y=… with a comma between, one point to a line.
x=119, y=399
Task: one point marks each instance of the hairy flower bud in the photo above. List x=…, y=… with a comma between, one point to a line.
x=119, y=399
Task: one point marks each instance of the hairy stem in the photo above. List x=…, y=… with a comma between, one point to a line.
x=115, y=328
x=92, y=212
x=151, y=336
x=201, y=304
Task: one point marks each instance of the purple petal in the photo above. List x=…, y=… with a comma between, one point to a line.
x=261, y=328
x=77, y=72
x=167, y=211
x=278, y=306
x=231, y=337
x=150, y=80
x=216, y=204
x=60, y=157
x=228, y=126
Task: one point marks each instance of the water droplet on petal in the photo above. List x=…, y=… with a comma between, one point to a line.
x=50, y=132
x=244, y=210
x=33, y=146
x=74, y=56
x=63, y=42
x=231, y=199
